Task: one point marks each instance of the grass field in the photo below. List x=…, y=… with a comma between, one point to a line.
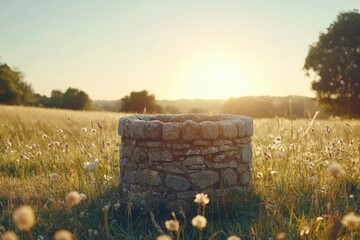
x=298, y=191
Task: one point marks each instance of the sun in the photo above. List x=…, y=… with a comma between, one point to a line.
x=215, y=77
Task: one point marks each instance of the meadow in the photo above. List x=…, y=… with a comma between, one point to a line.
x=306, y=181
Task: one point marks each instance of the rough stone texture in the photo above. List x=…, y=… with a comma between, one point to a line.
x=170, y=131
x=228, y=130
x=190, y=130
x=177, y=183
x=209, y=130
x=204, y=179
x=229, y=177
x=167, y=159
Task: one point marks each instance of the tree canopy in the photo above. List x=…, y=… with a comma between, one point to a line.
x=334, y=64
x=140, y=102
x=13, y=89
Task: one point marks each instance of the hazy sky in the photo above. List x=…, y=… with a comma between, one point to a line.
x=174, y=49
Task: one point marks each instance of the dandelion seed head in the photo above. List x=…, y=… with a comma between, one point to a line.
x=24, y=218
x=335, y=170
x=73, y=198
x=281, y=236
x=199, y=222
x=63, y=235
x=202, y=198
x=164, y=237
x=9, y=235
x=172, y=225
x=233, y=237
x=351, y=221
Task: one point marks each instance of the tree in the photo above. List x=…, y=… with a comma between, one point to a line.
x=76, y=99
x=140, y=102
x=13, y=90
x=334, y=64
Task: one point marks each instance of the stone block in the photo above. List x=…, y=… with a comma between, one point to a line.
x=244, y=178
x=147, y=177
x=139, y=155
x=170, y=131
x=204, y=179
x=246, y=154
x=228, y=177
x=190, y=130
x=177, y=183
x=194, y=160
x=137, y=130
x=153, y=130
x=209, y=130
x=227, y=129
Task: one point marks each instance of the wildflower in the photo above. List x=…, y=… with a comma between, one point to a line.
x=351, y=196
x=116, y=205
x=172, y=225
x=24, y=218
x=44, y=137
x=90, y=166
x=273, y=173
x=277, y=140
x=9, y=235
x=202, y=198
x=84, y=129
x=319, y=219
x=164, y=237
x=335, y=170
x=259, y=175
x=60, y=131
x=93, y=131
x=63, y=235
x=280, y=236
x=73, y=198
x=199, y=222
x=304, y=230
x=54, y=176
x=9, y=144
x=233, y=237
x=351, y=221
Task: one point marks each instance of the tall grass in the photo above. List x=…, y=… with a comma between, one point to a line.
x=45, y=154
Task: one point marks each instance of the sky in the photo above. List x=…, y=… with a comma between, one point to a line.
x=212, y=49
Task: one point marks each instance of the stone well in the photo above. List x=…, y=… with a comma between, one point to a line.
x=167, y=159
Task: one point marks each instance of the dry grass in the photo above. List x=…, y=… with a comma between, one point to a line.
x=45, y=154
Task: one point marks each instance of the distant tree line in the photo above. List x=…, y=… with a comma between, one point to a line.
x=15, y=91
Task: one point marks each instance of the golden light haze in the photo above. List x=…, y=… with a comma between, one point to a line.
x=173, y=49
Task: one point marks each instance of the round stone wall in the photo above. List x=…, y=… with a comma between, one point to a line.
x=167, y=159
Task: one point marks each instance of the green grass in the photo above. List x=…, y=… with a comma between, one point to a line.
x=291, y=185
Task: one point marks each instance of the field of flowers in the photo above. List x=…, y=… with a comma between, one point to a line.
x=59, y=174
